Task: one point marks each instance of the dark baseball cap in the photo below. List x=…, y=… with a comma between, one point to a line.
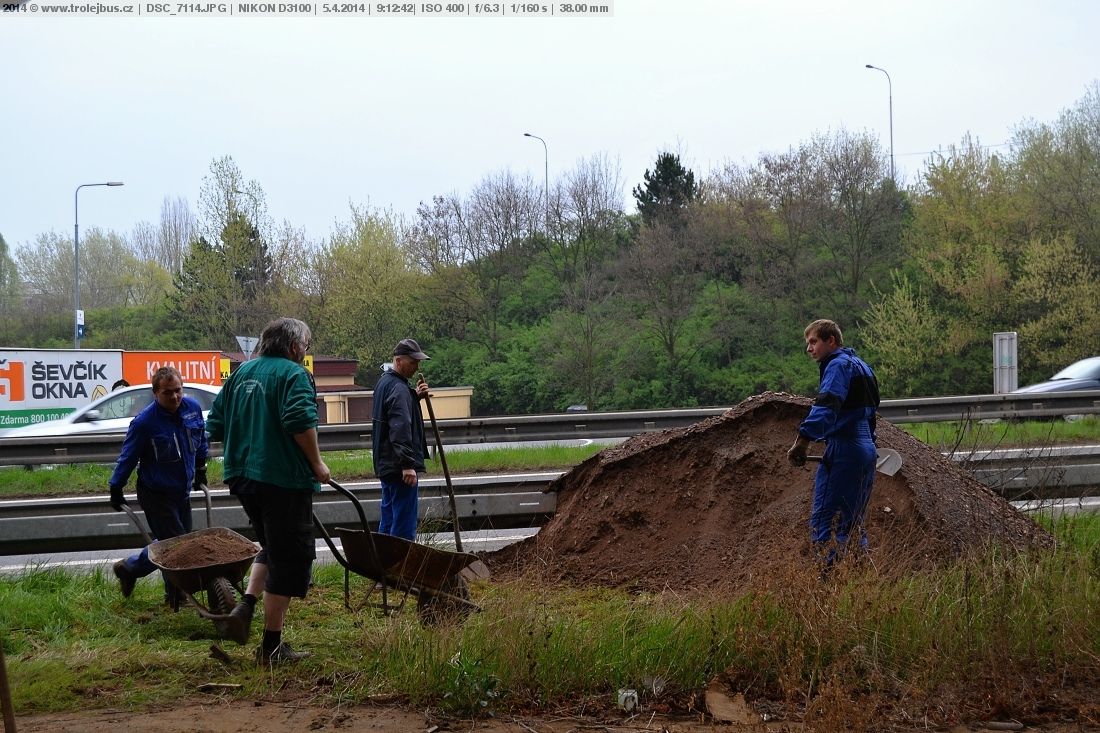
x=409, y=347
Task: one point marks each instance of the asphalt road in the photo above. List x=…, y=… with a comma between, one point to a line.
x=476, y=541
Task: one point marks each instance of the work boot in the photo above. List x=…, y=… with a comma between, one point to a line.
x=278, y=655
x=239, y=624
x=126, y=579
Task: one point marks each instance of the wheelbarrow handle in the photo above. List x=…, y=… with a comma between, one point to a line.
x=137, y=523
x=209, y=506
x=354, y=501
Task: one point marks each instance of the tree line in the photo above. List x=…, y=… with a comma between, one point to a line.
x=541, y=299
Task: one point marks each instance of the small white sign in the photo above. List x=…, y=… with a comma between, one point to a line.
x=247, y=344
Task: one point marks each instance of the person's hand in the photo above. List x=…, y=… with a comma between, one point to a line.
x=796, y=456
x=408, y=476
x=200, y=478
x=422, y=387
x=117, y=499
x=321, y=472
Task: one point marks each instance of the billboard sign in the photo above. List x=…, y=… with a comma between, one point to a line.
x=200, y=367
x=44, y=384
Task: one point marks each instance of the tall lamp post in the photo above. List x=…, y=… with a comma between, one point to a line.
x=890, y=88
x=76, y=256
x=546, y=181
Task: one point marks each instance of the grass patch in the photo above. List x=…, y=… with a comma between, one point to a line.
x=966, y=436
x=981, y=638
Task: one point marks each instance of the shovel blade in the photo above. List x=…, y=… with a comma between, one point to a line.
x=888, y=462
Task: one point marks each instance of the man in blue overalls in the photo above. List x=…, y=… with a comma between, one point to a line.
x=843, y=415
x=167, y=445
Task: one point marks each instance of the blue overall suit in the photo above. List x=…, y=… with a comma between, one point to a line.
x=843, y=415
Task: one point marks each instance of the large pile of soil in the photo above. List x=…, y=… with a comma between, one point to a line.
x=715, y=506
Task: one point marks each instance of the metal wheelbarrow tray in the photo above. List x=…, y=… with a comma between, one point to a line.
x=435, y=576
x=218, y=576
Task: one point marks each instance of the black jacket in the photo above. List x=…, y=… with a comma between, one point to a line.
x=397, y=434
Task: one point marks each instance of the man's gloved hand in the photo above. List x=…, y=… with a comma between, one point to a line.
x=117, y=499
x=796, y=456
x=200, y=478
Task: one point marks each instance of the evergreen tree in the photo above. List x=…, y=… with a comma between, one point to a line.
x=666, y=192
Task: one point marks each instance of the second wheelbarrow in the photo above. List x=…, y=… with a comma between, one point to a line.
x=437, y=577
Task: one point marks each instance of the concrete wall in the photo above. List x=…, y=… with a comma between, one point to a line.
x=356, y=407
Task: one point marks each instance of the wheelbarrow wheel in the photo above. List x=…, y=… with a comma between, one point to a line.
x=220, y=595
x=434, y=610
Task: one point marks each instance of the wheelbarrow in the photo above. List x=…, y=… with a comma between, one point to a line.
x=213, y=561
x=436, y=577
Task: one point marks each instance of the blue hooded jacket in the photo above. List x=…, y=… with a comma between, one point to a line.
x=847, y=400
x=164, y=447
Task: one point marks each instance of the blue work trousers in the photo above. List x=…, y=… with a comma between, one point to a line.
x=168, y=515
x=399, y=507
x=842, y=490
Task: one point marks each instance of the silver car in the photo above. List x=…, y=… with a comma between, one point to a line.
x=111, y=413
x=1080, y=375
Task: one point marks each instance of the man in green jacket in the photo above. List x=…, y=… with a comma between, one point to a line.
x=266, y=419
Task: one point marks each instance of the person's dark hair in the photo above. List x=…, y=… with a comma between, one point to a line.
x=282, y=335
x=119, y=384
x=825, y=330
x=163, y=374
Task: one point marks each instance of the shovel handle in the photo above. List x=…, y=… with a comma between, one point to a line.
x=443, y=463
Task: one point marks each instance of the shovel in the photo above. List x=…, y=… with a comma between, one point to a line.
x=443, y=462
x=887, y=463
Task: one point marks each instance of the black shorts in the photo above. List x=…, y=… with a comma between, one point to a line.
x=283, y=521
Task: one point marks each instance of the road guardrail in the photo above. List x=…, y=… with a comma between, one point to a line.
x=581, y=425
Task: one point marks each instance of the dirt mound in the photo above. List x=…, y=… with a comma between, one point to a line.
x=715, y=506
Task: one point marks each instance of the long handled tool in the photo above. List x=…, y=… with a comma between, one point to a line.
x=5, y=695
x=443, y=461
x=888, y=461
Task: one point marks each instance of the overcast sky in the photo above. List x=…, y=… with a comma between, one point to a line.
x=389, y=112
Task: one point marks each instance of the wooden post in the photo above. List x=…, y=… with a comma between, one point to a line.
x=5, y=694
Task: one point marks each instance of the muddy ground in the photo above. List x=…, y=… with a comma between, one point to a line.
x=219, y=716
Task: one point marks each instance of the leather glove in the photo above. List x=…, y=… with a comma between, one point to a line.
x=117, y=499
x=796, y=456
x=200, y=478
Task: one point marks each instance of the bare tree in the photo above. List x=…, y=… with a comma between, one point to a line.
x=106, y=268
x=662, y=275
x=225, y=192
x=860, y=223
x=476, y=248
x=177, y=227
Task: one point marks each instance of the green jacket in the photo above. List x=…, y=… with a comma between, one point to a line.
x=260, y=408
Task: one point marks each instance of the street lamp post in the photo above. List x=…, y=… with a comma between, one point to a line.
x=76, y=257
x=890, y=88
x=546, y=181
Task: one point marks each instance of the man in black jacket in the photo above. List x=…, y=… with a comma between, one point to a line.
x=398, y=439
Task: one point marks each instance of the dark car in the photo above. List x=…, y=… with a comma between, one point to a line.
x=1080, y=375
